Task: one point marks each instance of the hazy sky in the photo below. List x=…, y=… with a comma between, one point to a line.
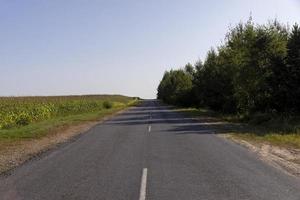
x=60, y=47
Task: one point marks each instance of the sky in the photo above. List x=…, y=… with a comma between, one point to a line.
x=63, y=47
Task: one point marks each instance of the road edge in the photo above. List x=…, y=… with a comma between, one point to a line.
x=287, y=160
x=28, y=151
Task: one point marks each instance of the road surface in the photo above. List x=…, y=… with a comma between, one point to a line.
x=149, y=152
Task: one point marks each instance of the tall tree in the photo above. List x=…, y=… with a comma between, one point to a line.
x=293, y=64
x=257, y=69
x=176, y=87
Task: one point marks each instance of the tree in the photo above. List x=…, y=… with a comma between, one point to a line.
x=176, y=87
x=212, y=83
x=257, y=69
x=256, y=53
x=189, y=69
x=293, y=64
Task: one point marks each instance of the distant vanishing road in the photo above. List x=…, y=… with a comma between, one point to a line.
x=149, y=152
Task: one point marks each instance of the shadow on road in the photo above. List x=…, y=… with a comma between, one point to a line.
x=176, y=122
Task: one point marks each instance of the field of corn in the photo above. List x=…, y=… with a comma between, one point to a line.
x=21, y=111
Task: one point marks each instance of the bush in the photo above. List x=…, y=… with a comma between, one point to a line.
x=260, y=118
x=107, y=104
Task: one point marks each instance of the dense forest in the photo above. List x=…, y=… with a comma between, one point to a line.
x=255, y=70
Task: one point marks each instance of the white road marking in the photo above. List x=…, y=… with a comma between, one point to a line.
x=149, y=128
x=143, y=184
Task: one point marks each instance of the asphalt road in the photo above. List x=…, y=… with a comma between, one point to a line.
x=149, y=152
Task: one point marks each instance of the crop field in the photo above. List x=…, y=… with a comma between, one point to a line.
x=21, y=111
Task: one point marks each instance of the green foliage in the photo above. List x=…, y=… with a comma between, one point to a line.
x=263, y=50
x=293, y=65
x=257, y=69
x=107, y=104
x=21, y=111
x=213, y=83
x=260, y=118
x=176, y=87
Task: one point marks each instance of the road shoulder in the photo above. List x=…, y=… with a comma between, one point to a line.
x=283, y=157
x=15, y=153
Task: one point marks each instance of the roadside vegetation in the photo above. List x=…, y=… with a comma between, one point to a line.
x=280, y=130
x=252, y=78
x=32, y=125
x=33, y=117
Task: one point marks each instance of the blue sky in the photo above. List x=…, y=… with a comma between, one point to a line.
x=62, y=47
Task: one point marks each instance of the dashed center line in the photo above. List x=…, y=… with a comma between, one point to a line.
x=149, y=127
x=143, y=184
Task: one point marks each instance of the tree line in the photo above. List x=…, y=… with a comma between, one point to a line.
x=256, y=69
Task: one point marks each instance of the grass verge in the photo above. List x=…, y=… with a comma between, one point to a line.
x=54, y=125
x=20, y=144
x=277, y=130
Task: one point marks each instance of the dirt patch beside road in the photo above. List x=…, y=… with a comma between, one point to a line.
x=15, y=153
x=286, y=159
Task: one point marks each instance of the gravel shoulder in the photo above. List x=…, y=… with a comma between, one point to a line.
x=283, y=158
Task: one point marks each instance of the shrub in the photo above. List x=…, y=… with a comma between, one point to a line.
x=260, y=118
x=107, y=104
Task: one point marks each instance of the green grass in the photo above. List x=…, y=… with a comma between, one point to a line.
x=22, y=111
x=276, y=130
x=39, y=129
x=44, y=127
